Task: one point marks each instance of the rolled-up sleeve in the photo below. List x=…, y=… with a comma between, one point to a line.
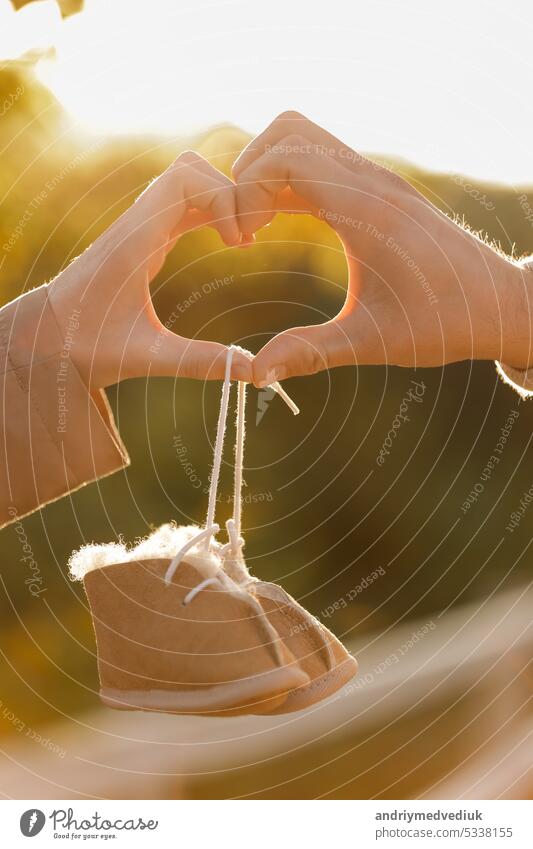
x=55, y=435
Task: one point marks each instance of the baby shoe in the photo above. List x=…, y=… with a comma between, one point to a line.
x=197, y=644
x=195, y=633
x=323, y=658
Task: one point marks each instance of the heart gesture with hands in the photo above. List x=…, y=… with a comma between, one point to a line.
x=422, y=290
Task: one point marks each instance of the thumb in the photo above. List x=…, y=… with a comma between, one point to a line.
x=166, y=354
x=304, y=350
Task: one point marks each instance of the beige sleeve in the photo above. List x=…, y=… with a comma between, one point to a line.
x=55, y=435
x=521, y=381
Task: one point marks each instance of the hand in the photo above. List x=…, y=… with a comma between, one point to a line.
x=422, y=290
x=119, y=334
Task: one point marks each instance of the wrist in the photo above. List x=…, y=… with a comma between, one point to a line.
x=63, y=298
x=500, y=305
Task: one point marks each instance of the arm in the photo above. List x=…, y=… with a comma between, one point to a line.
x=93, y=326
x=55, y=434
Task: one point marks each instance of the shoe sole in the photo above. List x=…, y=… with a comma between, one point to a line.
x=256, y=695
x=318, y=688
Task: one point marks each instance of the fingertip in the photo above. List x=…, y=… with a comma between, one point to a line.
x=258, y=378
x=253, y=220
x=264, y=374
x=230, y=233
x=233, y=241
x=275, y=374
x=247, y=239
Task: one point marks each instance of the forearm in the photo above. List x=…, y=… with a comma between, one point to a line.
x=485, y=298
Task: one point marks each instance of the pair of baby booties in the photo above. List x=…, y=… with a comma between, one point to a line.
x=182, y=627
x=212, y=640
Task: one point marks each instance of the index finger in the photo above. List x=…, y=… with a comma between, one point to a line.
x=314, y=180
x=324, y=143
x=293, y=123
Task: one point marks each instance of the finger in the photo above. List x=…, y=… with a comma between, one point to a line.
x=203, y=164
x=288, y=201
x=302, y=351
x=320, y=140
x=188, y=184
x=210, y=191
x=165, y=354
x=292, y=123
x=316, y=179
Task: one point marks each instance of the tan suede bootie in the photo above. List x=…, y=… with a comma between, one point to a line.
x=319, y=653
x=159, y=649
x=202, y=636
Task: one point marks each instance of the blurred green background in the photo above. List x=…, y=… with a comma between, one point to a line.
x=322, y=515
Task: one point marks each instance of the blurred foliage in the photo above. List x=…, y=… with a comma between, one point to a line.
x=67, y=7
x=322, y=515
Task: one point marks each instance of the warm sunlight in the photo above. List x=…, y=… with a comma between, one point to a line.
x=266, y=429
x=188, y=66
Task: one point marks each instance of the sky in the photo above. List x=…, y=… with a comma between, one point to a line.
x=445, y=85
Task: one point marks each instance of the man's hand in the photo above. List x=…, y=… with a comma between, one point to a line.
x=120, y=335
x=422, y=290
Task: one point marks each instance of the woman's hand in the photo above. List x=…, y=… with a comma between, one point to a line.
x=422, y=290
x=119, y=334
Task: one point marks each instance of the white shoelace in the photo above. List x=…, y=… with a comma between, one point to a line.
x=204, y=540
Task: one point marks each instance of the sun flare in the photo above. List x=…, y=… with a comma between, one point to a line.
x=185, y=67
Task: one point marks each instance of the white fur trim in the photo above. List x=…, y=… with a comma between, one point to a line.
x=163, y=543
